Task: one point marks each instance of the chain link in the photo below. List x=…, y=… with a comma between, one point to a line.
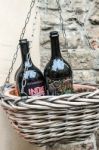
x=27, y=19
x=46, y=11
x=21, y=37
x=12, y=64
x=28, y=59
x=63, y=29
x=62, y=23
x=82, y=27
x=27, y=63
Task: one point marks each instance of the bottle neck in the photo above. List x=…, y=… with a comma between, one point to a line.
x=55, y=47
x=26, y=60
x=25, y=53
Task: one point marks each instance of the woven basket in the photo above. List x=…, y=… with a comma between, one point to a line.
x=49, y=119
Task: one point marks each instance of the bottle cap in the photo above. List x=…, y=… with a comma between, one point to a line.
x=24, y=44
x=54, y=34
x=22, y=41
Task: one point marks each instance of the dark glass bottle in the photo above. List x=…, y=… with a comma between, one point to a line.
x=15, y=76
x=29, y=79
x=58, y=73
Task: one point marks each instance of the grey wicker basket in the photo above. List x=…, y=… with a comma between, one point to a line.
x=48, y=119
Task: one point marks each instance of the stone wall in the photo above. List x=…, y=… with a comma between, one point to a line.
x=80, y=20
x=85, y=64
x=81, y=45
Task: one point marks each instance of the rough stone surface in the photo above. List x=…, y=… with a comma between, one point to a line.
x=79, y=21
x=81, y=27
x=85, y=64
x=88, y=146
x=76, y=16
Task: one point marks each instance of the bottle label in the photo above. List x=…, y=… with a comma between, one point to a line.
x=35, y=88
x=59, y=86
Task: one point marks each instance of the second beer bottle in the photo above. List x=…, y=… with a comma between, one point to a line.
x=29, y=79
x=58, y=73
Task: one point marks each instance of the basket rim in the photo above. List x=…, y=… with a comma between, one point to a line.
x=91, y=87
x=79, y=100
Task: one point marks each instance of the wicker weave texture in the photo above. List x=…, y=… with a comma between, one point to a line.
x=48, y=119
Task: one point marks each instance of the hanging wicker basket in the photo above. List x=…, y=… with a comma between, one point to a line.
x=49, y=119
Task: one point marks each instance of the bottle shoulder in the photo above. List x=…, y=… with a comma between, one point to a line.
x=30, y=73
x=58, y=67
x=58, y=63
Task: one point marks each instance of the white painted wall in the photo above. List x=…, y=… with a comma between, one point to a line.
x=12, y=17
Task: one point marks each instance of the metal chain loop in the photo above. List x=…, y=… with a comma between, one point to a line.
x=63, y=29
x=21, y=37
x=82, y=27
x=28, y=62
x=12, y=64
x=27, y=19
x=62, y=22
x=46, y=10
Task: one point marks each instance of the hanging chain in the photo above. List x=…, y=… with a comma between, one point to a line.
x=82, y=26
x=27, y=19
x=27, y=63
x=28, y=59
x=62, y=23
x=21, y=37
x=12, y=64
x=63, y=29
x=46, y=10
